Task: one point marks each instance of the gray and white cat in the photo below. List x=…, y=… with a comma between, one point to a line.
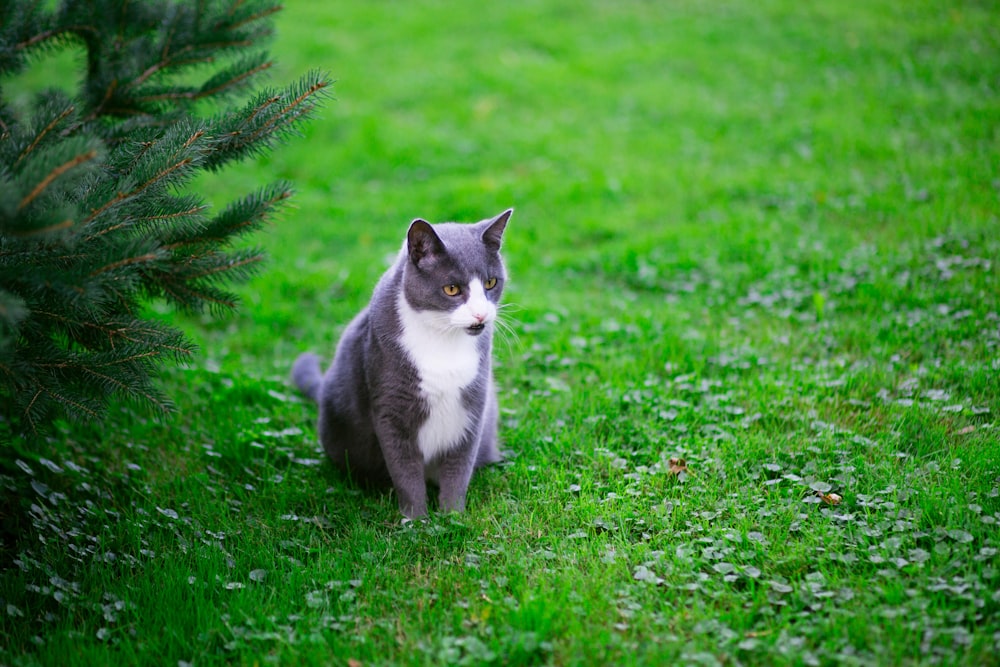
x=409, y=395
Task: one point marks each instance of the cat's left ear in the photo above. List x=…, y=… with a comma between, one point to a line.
x=423, y=244
x=493, y=234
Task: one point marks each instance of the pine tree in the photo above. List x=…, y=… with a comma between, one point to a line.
x=94, y=217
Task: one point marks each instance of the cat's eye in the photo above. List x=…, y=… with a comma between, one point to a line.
x=452, y=290
x=490, y=283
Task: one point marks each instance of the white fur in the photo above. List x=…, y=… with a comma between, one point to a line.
x=447, y=360
x=476, y=309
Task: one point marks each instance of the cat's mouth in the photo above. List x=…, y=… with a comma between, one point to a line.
x=475, y=329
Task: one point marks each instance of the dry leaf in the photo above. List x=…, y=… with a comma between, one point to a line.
x=351, y=662
x=967, y=429
x=830, y=498
x=676, y=466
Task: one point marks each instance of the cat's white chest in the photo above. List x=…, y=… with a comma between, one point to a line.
x=447, y=363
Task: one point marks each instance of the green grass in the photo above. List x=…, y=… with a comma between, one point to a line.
x=759, y=236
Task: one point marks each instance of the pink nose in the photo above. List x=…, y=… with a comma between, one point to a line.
x=479, y=317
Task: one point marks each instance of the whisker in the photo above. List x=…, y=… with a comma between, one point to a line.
x=513, y=307
x=505, y=331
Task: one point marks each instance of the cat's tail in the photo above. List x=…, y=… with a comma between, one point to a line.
x=307, y=376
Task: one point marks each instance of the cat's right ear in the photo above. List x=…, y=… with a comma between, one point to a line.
x=423, y=244
x=493, y=234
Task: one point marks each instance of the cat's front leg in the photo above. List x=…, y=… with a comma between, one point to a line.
x=407, y=475
x=403, y=458
x=406, y=468
x=454, y=472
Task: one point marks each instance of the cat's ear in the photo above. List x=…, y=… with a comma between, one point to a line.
x=493, y=234
x=423, y=244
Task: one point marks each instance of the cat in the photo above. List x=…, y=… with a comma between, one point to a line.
x=409, y=397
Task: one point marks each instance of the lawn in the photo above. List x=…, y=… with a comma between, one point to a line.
x=749, y=399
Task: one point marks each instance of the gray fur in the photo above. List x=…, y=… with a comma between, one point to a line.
x=372, y=399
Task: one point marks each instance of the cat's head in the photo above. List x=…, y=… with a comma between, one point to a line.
x=453, y=275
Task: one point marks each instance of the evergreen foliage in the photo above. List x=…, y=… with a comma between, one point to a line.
x=94, y=217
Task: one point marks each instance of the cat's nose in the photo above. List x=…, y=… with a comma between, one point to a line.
x=479, y=317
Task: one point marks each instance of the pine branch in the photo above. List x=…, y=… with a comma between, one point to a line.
x=54, y=174
x=94, y=220
x=252, y=130
x=130, y=331
x=238, y=218
x=225, y=263
x=42, y=181
x=48, y=229
x=91, y=412
x=164, y=173
x=128, y=261
x=193, y=298
x=240, y=75
x=248, y=18
x=45, y=131
x=13, y=310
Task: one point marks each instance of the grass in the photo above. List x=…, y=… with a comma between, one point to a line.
x=760, y=237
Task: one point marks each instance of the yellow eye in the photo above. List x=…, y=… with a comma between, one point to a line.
x=452, y=290
x=490, y=283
